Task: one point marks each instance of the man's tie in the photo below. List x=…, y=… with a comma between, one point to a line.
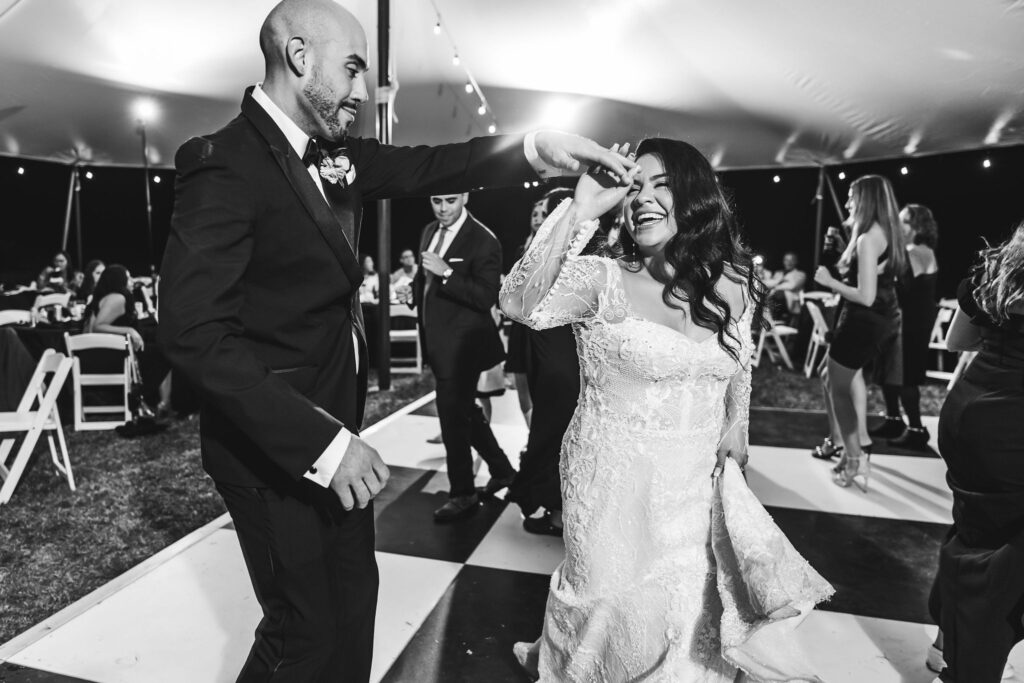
x=442, y=232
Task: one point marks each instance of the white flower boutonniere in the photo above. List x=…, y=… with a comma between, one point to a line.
x=338, y=170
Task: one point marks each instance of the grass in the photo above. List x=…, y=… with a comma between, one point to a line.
x=137, y=496
x=134, y=498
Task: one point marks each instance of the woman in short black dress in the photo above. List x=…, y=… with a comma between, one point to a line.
x=978, y=599
x=917, y=304
x=868, y=328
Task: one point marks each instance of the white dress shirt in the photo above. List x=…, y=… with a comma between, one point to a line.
x=325, y=467
x=449, y=234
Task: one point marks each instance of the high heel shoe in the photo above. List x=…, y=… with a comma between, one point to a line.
x=841, y=465
x=827, y=450
x=857, y=471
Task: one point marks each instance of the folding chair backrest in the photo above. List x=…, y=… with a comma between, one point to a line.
x=944, y=317
x=96, y=340
x=51, y=363
x=401, y=311
x=15, y=317
x=58, y=299
x=818, y=317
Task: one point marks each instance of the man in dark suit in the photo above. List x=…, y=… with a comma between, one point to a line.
x=259, y=310
x=454, y=290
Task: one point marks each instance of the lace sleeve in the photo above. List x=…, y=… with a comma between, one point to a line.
x=735, y=430
x=552, y=285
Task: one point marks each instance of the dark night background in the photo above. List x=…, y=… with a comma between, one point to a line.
x=968, y=200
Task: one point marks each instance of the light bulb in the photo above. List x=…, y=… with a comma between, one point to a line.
x=437, y=28
x=21, y=170
x=492, y=129
x=88, y=175
x=904, y=170
x=481, y=110
x=456, y=61
x=776, y=179
x=469, y=87
x=987, y=163
x=156, y=179
x=527, y=184
x=842, y=175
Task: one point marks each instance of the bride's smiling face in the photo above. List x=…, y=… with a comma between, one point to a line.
x=648, y=209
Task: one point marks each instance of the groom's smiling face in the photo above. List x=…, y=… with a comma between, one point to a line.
x=335, y=86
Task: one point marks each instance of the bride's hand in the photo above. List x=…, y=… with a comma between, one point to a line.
x=728, y=451
x=598, y=190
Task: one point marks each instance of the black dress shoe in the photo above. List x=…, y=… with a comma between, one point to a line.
x=458, y=507
x=915, y=439
x=890, y=429
x=542, y=526
x=496, y=484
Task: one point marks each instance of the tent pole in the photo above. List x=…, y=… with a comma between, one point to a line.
x=819, y=199
x=384, y=118
x=73, y=178
x=78, y=216
x=149, y=202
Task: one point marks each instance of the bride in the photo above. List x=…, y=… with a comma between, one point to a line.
x=672, y=569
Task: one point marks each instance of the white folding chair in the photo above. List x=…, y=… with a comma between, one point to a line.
x=819, y=338
x=409, y=364
x=44, y=301
x=36, y=414
x=15, y=317
x=937, y=342
x=775, y=334
x=120, y=412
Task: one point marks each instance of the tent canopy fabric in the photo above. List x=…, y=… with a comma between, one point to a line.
x=752, y=83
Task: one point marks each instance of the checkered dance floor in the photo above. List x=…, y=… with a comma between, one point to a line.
x=453, y=599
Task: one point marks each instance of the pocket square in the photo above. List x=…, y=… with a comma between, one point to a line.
x=456, y=260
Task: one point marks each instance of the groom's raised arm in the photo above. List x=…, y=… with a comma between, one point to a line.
x=208, y=251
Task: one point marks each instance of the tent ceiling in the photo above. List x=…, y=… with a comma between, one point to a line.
x=751, y=82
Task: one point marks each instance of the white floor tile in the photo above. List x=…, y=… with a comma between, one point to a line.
x=507, y=546
x=901, y=487
x=192, y=619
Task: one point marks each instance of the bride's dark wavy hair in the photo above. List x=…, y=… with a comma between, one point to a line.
x=707, y=246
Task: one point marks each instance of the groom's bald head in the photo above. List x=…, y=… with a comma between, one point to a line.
x=315, y=56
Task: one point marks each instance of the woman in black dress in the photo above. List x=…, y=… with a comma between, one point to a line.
x=917, y=304
x=978, y=599
x=868, y=328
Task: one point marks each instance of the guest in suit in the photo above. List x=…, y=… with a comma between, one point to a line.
x=259, y=310
x=454, y=291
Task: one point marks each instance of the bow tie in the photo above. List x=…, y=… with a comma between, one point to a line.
x=316, y=150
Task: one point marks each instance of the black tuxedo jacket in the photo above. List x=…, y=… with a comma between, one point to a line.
x=260, y=284
x=458, y=331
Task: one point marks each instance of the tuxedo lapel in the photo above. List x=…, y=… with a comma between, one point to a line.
x=322, y=213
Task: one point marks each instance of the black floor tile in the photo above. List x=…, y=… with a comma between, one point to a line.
x=405, y=523
x=879, y=567
x=806, y=429
x=12, y=673
x=469, y=635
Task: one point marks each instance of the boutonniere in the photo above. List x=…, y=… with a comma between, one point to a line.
x=338, y=169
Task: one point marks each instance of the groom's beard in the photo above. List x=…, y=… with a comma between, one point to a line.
x=324, y=103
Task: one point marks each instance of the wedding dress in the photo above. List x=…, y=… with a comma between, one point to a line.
x=643, y=593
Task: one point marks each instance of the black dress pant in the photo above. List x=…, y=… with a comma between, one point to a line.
x=978, y=600
x=313, y=568
x=553, y=374
x=463, y=426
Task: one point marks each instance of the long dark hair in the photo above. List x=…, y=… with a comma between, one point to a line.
x=706, y=247
x=922, y=225
x=114, y=280
x=89, y=286
x=876, y=203
x=1001, y=276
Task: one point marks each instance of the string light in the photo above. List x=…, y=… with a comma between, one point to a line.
x=492, y=129
x=455, y=59
x=437, y=28
x=987, y=163
x=842, y=175
x=776, y=179
x=156, y=179
x=481, y=110
x=21, y=170
x=469, y=87
x=904, y=170
x=88, y=175
x=526, y=185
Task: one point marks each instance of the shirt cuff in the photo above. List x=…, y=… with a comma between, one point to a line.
x=325, y=467
x=542, y=168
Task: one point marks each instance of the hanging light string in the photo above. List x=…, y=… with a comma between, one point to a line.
x=484, y=107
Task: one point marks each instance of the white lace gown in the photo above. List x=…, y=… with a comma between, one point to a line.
x=637, y=596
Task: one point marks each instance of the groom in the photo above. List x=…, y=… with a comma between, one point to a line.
x=259, y=309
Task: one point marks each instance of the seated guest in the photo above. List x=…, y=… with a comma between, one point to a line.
x=112, y=311
x=93, y=270
x=55, y=276
x=75, y=282
x=369, y=291
x=784, y=287
x=407, y=272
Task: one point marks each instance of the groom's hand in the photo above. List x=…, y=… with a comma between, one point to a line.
x=361, y=475
x=573, y=153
